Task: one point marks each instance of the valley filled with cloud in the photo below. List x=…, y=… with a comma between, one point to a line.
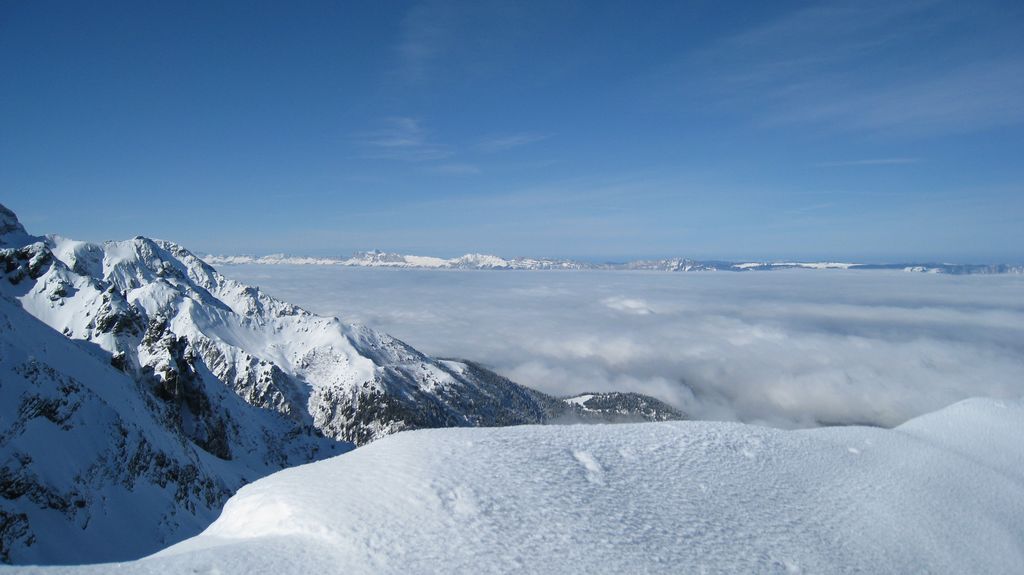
x=788, y=349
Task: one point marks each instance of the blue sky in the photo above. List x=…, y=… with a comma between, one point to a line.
x=852, y=130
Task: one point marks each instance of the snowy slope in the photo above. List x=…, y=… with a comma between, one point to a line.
x=941, y=494
x=95, y=468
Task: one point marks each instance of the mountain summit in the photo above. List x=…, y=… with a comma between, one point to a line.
x=12, y=233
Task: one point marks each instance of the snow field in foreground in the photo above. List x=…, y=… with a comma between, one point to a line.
x=943, y=493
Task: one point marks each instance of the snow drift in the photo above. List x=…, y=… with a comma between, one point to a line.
x=943, y=493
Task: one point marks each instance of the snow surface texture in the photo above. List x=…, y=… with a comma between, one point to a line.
x=377, y=259
x=790, y=348
x=943, y=493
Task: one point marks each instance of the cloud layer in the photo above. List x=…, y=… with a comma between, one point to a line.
x=788, y=349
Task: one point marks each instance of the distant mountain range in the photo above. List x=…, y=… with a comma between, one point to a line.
x=491, y=262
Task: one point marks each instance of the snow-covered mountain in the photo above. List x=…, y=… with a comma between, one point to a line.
x=943, y=493
x=98, y=465
x=490, y=262
x=377, y=259
x=140, y=388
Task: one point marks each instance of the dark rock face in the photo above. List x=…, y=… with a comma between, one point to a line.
x=27, y=262
x=9, y=224
x=115, y=315
x=484, y=399
x=14, y=527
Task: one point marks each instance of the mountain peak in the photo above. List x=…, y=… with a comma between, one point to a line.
x=12, y=233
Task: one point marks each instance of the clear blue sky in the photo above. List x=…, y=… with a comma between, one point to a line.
x=854, y=130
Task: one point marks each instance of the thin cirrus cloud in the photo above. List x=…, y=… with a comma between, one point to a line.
x=456, y=169
x=857, y=66
x=407, y=139
x=869, y=162
x=438, y=40
x=404, y=139
x=511, y=141
x=958, y=100
x=425, y=35
x=785, y=348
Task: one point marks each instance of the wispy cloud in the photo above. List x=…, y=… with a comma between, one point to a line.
x=405, y=139
x=401, y=133
x=425, y=34
x=510, y=141
x=810, y=208
x=859, y=65
x=457, y=169
x=960, y=99
x=441, y=39
x=869, y=162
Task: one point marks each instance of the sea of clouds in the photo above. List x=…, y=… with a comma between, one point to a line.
x=794, y=348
